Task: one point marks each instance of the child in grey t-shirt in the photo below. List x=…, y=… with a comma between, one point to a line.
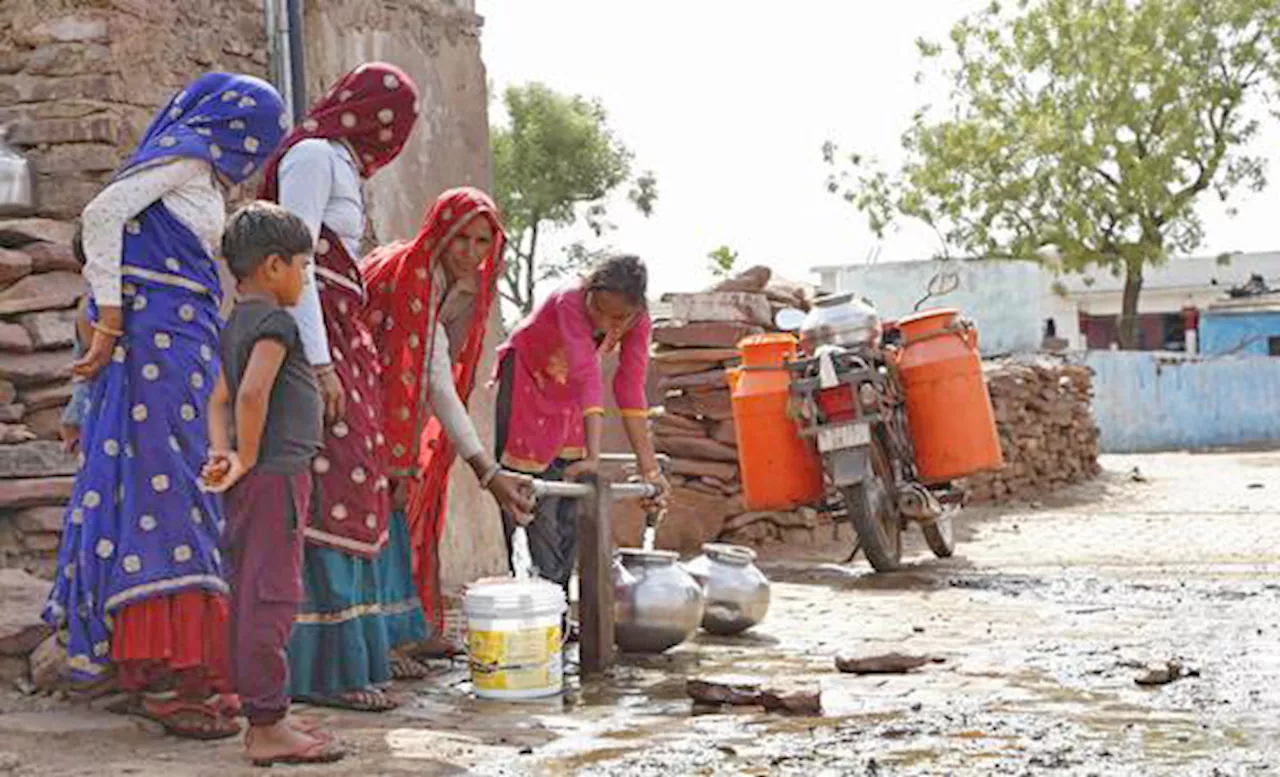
x=265, y=427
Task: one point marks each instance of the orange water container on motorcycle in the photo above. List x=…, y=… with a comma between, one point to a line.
x=948, y=408
x=780, y=469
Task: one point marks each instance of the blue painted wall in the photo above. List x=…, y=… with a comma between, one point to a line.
x=1237, y=331
x=1158, y=402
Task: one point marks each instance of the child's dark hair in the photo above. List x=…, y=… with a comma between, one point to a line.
x=77, y=245
x=622, y=274
x=258, y=230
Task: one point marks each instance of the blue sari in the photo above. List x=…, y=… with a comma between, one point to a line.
x=138, y=527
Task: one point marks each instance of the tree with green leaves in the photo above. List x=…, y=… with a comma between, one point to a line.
x=1082, y=133
x=722, y=259
x=555, y=163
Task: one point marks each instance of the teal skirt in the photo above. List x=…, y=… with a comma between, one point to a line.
x=355, y=610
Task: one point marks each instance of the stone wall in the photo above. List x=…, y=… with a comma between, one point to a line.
x=80, y=80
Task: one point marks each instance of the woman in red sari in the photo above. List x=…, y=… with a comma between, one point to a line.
x=429, y=301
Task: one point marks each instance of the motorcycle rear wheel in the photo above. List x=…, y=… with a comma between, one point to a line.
x=874, y=514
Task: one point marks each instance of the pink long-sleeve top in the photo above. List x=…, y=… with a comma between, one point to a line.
x=557, y=345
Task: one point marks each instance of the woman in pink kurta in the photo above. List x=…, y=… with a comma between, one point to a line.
x=550, y=405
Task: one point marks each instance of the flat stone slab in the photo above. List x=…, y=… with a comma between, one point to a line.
x=888, y=663
x=775, y=695
x=22, y=596
x=40, y=458
x=32, y=492
x=734, y=307
x=46, y=291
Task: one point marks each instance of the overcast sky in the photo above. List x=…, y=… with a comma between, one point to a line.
x=729, y=104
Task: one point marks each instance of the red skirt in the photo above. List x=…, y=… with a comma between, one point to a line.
x=176, y=642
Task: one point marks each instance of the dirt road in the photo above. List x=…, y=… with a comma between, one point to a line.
x=1043, y=620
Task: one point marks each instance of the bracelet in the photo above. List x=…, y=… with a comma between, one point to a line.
x=652, y=475
x=488, y=476
x=98, y=326
x=324, y=369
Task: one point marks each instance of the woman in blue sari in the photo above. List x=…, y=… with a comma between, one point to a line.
x=140, y=588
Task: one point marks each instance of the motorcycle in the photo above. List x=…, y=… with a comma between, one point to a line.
x=847, y=396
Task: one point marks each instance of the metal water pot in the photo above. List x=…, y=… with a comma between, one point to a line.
x=16, y=191
x=737, y=592
x=657, y=603
x=840, y=319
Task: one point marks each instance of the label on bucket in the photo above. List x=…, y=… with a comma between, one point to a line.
x=524, y=660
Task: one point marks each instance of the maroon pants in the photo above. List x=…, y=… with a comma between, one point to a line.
x=262, y=549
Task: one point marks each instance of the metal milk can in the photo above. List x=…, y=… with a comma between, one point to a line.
x=657, y=603
x=16, y=191
x=737, y=592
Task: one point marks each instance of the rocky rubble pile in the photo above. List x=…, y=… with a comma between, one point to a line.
x=39, y=285
x=1047, y=432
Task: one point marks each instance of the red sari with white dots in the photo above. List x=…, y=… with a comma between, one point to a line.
x=372, y=110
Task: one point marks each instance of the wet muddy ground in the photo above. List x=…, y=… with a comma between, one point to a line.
x=1043, y=620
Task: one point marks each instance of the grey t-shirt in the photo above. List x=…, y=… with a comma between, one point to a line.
x=295, y=417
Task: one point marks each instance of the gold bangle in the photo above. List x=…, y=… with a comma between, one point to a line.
x=98, y=326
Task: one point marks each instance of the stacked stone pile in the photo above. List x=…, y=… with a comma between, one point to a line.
x=1047, y=432
x=692, y=350
x=39, y=286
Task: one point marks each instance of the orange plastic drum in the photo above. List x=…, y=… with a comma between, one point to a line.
x=948, y=408
x=780, y=469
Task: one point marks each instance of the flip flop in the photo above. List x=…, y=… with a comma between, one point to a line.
x=405, y=668
x=357, y=701
x=318, y=752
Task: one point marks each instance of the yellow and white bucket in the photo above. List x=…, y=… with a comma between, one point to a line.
x=514, y=639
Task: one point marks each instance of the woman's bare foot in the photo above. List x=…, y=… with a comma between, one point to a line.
x=436, y=647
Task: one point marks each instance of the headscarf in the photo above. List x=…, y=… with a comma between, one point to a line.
x=229, y=120
x=399, y=280
x=372, y=109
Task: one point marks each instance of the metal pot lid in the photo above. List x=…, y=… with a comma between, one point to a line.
x=723, y=551
x=648, y=556
x=832, y=300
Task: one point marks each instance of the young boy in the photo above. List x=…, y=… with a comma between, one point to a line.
x=265, y=427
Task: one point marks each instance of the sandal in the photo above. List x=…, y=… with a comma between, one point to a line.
x=227, y=703
x=405, y=668
x=318, y=752
x=188, y=719
x=359, y=701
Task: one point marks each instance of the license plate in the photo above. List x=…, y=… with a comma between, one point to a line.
x=841, y=437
